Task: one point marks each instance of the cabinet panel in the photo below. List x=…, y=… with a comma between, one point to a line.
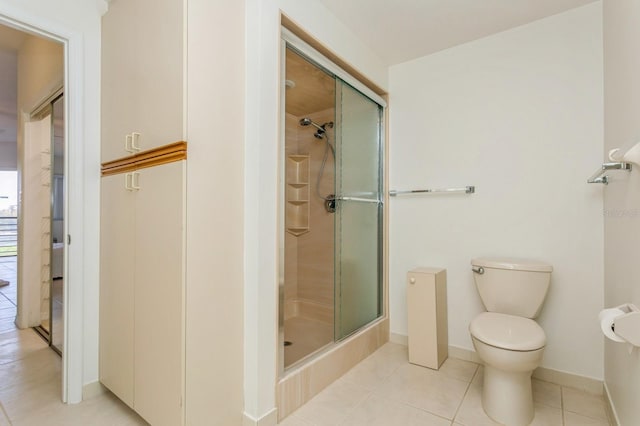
x=142, y=74
x=117, y=259
x=119, y=82
x=160, y=62
x=159, y=325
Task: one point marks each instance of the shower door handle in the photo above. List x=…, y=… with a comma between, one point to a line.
x=359, y=200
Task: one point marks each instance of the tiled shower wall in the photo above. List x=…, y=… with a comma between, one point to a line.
x=309, y=257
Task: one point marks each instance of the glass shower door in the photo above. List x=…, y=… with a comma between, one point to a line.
x=358, y=221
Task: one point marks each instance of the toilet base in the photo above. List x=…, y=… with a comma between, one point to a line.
x=507, y=397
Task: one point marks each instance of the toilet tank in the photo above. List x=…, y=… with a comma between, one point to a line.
x=512, y=286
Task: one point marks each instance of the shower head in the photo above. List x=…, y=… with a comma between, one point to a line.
x=321, y=128
x=307, y=121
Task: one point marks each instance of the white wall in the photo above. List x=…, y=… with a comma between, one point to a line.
x=622, y=197
x=261, y=174
x=8, y=156
x=519, y=115
x=78, y=22
x=214, y=264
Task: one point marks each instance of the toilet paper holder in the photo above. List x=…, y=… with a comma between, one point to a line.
x=627, y=326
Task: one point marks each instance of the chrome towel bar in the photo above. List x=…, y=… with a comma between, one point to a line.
x=466, y=190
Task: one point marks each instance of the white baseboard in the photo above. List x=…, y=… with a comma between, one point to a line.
x=400, y=339
x=610, y=408
x=93, y=389
x=570, y=380
x=464, y=354
x=269, y=419
x=561, y=378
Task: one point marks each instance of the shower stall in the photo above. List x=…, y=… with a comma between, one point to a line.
x=331, y=199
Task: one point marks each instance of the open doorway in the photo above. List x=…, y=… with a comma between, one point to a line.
x=32, y=135
x=75, y=29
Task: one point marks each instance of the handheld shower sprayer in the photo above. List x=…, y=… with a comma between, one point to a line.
x=321, y=128
x=321, y=133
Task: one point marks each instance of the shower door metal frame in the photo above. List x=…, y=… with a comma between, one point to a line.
x=290, y=40
x=46, y=108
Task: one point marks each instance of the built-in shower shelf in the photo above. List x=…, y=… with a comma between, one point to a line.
x=298, y=231
x=297, y=194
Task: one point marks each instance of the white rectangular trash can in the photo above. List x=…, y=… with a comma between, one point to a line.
x=427, y=310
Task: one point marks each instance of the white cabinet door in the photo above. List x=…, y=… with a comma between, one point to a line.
x=119, y=82
x=159, y=271
x=142, y=75
x=117, y=259
x=160, y=63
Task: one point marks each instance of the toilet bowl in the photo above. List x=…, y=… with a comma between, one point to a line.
x=511, y=348
x=506, y=338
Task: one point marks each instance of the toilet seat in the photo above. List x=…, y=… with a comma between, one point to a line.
x=508, y=332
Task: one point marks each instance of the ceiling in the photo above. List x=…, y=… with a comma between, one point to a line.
x=309, y=89
x=402, y=30
x=397, y=31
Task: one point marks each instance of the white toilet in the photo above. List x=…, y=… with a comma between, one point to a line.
x=508, y=341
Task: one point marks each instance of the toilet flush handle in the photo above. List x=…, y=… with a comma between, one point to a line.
x=478, y=270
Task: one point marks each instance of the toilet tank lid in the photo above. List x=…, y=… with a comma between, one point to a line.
x=512, y=263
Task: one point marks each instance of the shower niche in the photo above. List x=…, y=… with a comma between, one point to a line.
x=297, y=194
x=331, y=203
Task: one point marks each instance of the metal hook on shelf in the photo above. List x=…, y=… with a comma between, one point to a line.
x=597, y=176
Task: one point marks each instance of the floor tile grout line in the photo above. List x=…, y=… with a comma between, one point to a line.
x=353, y=409
x=408, y=404
x=4, y=413
x=6, y=297
x=475, y=373
x=564, y=410
x=562, y=403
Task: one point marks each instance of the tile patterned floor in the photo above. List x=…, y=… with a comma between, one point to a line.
x=8, y=301
x=8, y=294
x=30, y=386
x=382, y=390
x=30, y=389
x=385, y=390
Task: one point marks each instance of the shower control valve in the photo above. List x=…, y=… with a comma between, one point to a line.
x=330, y=203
